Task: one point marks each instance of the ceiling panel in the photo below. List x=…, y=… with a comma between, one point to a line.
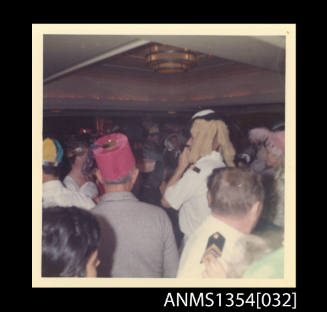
x=109, y=73
x=65, y=53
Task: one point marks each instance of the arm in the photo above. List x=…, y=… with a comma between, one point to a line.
x=183, y=162
x=175, y=177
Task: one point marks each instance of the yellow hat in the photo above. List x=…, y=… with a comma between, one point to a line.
x=52, y=152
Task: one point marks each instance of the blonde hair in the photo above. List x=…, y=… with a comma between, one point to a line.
x=211, y=135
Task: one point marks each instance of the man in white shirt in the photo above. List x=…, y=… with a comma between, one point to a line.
x=54, y=193
x=208, y=148
x=235, y=196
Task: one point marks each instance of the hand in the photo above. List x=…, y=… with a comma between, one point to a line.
x=96, y=199
x=213, y=268
x=183, y=160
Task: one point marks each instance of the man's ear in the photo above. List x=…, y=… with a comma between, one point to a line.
x=256, y=210
x=133, y=178
x=209, y=198
x=99, y=176
x=135, y=175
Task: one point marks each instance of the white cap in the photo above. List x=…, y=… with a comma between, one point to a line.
x=203, y=113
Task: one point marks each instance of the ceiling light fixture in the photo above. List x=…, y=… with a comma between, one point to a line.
x=166, y=59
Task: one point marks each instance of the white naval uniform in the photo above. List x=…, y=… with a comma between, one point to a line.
x=189, y=194
x=190, y=265
x=88, y=188
x=54, y=193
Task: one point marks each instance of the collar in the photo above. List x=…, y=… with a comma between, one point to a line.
x=118, y=196
x=212, y=155
x=53, y=184
x=232, y=233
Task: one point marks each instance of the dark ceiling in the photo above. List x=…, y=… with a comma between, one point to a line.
x=92, y=73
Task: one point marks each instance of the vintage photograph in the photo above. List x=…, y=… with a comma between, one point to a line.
x=163, y=155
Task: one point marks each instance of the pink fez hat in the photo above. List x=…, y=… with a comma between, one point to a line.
x=114, y=156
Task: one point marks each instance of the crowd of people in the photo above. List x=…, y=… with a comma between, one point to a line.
x=180, y=203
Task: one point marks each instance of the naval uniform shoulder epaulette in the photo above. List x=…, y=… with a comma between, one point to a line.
x=215, y=246
x=196, y=169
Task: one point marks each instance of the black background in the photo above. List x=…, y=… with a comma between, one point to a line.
x=152, y=299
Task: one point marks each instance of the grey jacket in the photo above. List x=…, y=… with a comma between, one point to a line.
x=137, y=238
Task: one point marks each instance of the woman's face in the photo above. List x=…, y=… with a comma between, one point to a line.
x=92, y=264
x=82, y=157
x=174, y=142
